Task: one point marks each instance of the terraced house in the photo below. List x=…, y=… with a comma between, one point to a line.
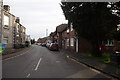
x=19, y=33
x=13, y=33
x=8, y=21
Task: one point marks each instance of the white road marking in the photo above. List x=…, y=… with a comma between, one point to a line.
x=28, y=75
x=57, y=61
x=38, y=64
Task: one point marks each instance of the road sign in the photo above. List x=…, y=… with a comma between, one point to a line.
x=2, y=48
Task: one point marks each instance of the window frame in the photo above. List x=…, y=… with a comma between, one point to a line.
x=6, y=22
x=67, y=42
x=71, y=27
x=5, y=38
x=72, y=42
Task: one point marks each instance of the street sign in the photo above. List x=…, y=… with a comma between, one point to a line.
x=2, y=48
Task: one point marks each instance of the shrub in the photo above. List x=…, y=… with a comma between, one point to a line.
x=27, y=43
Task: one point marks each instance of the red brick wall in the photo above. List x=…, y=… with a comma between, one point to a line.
x=112, y=48
x=71, y=35
x=84, y=46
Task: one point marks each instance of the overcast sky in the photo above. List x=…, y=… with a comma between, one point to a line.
x=37, y=15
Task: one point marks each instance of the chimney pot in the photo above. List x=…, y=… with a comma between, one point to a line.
x=17, y=19
x=7, y=8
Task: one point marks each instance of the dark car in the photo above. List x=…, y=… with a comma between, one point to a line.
x=54, y=46
x=43, y=44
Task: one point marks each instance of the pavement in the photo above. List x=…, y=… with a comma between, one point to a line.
x=102, y=67
x=15, y=53
x=40, y=62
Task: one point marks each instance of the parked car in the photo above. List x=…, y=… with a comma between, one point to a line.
x=48, y=42
x=54, y=46
x=40, y=44
x=48, y=45
x=44, y=44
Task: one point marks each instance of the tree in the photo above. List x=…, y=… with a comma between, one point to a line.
x=32, y=41
x=93, y=21
x=27, y=43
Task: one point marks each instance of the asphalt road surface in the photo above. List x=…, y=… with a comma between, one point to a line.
x=39, y=62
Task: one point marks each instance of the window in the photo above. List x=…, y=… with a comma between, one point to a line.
x=67, y=42
x=5, y=40
x=6, y=21
x=71, y=27
x=17, y=35
x=72, y=41
x=68, y=30
x=109, y=43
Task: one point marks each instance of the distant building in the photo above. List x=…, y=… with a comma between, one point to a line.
x=59, y=31
x=28, y=38
x=39, y=40
x=53, y=36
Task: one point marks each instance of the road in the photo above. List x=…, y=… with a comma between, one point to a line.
x=39, y=62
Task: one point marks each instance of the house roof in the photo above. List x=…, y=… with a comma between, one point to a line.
x=53, y=33
x=61, y=28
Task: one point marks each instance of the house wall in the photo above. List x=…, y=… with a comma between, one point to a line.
x=8, y=32
x=17, y=33
x=69, y=35
x=1, y=4
x=111, y=48
x=84, y=45
x=23, y=34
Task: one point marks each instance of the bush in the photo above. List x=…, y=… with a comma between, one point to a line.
x=22, y=45
x=16, y=46
x=27, y=43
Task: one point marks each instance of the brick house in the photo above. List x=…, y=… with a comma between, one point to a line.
x=53, y=36
x=59, y=30
x=81, y=45
x=71, y=42
x=112, y=45
x=39, y=40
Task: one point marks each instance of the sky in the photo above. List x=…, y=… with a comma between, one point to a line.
x=37, y=15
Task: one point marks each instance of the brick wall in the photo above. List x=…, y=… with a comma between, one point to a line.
x=113, y=48
x=84, y=45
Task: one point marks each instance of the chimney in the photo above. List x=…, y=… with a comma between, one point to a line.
x=17, y=19
x=7, y=8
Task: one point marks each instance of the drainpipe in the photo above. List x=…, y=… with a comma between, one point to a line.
x=1, y=5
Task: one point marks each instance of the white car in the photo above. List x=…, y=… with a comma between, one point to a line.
x=48, y=42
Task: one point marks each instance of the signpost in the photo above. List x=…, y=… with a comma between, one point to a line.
x=2, y=48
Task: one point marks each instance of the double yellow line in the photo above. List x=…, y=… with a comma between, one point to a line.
x=16, y=55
